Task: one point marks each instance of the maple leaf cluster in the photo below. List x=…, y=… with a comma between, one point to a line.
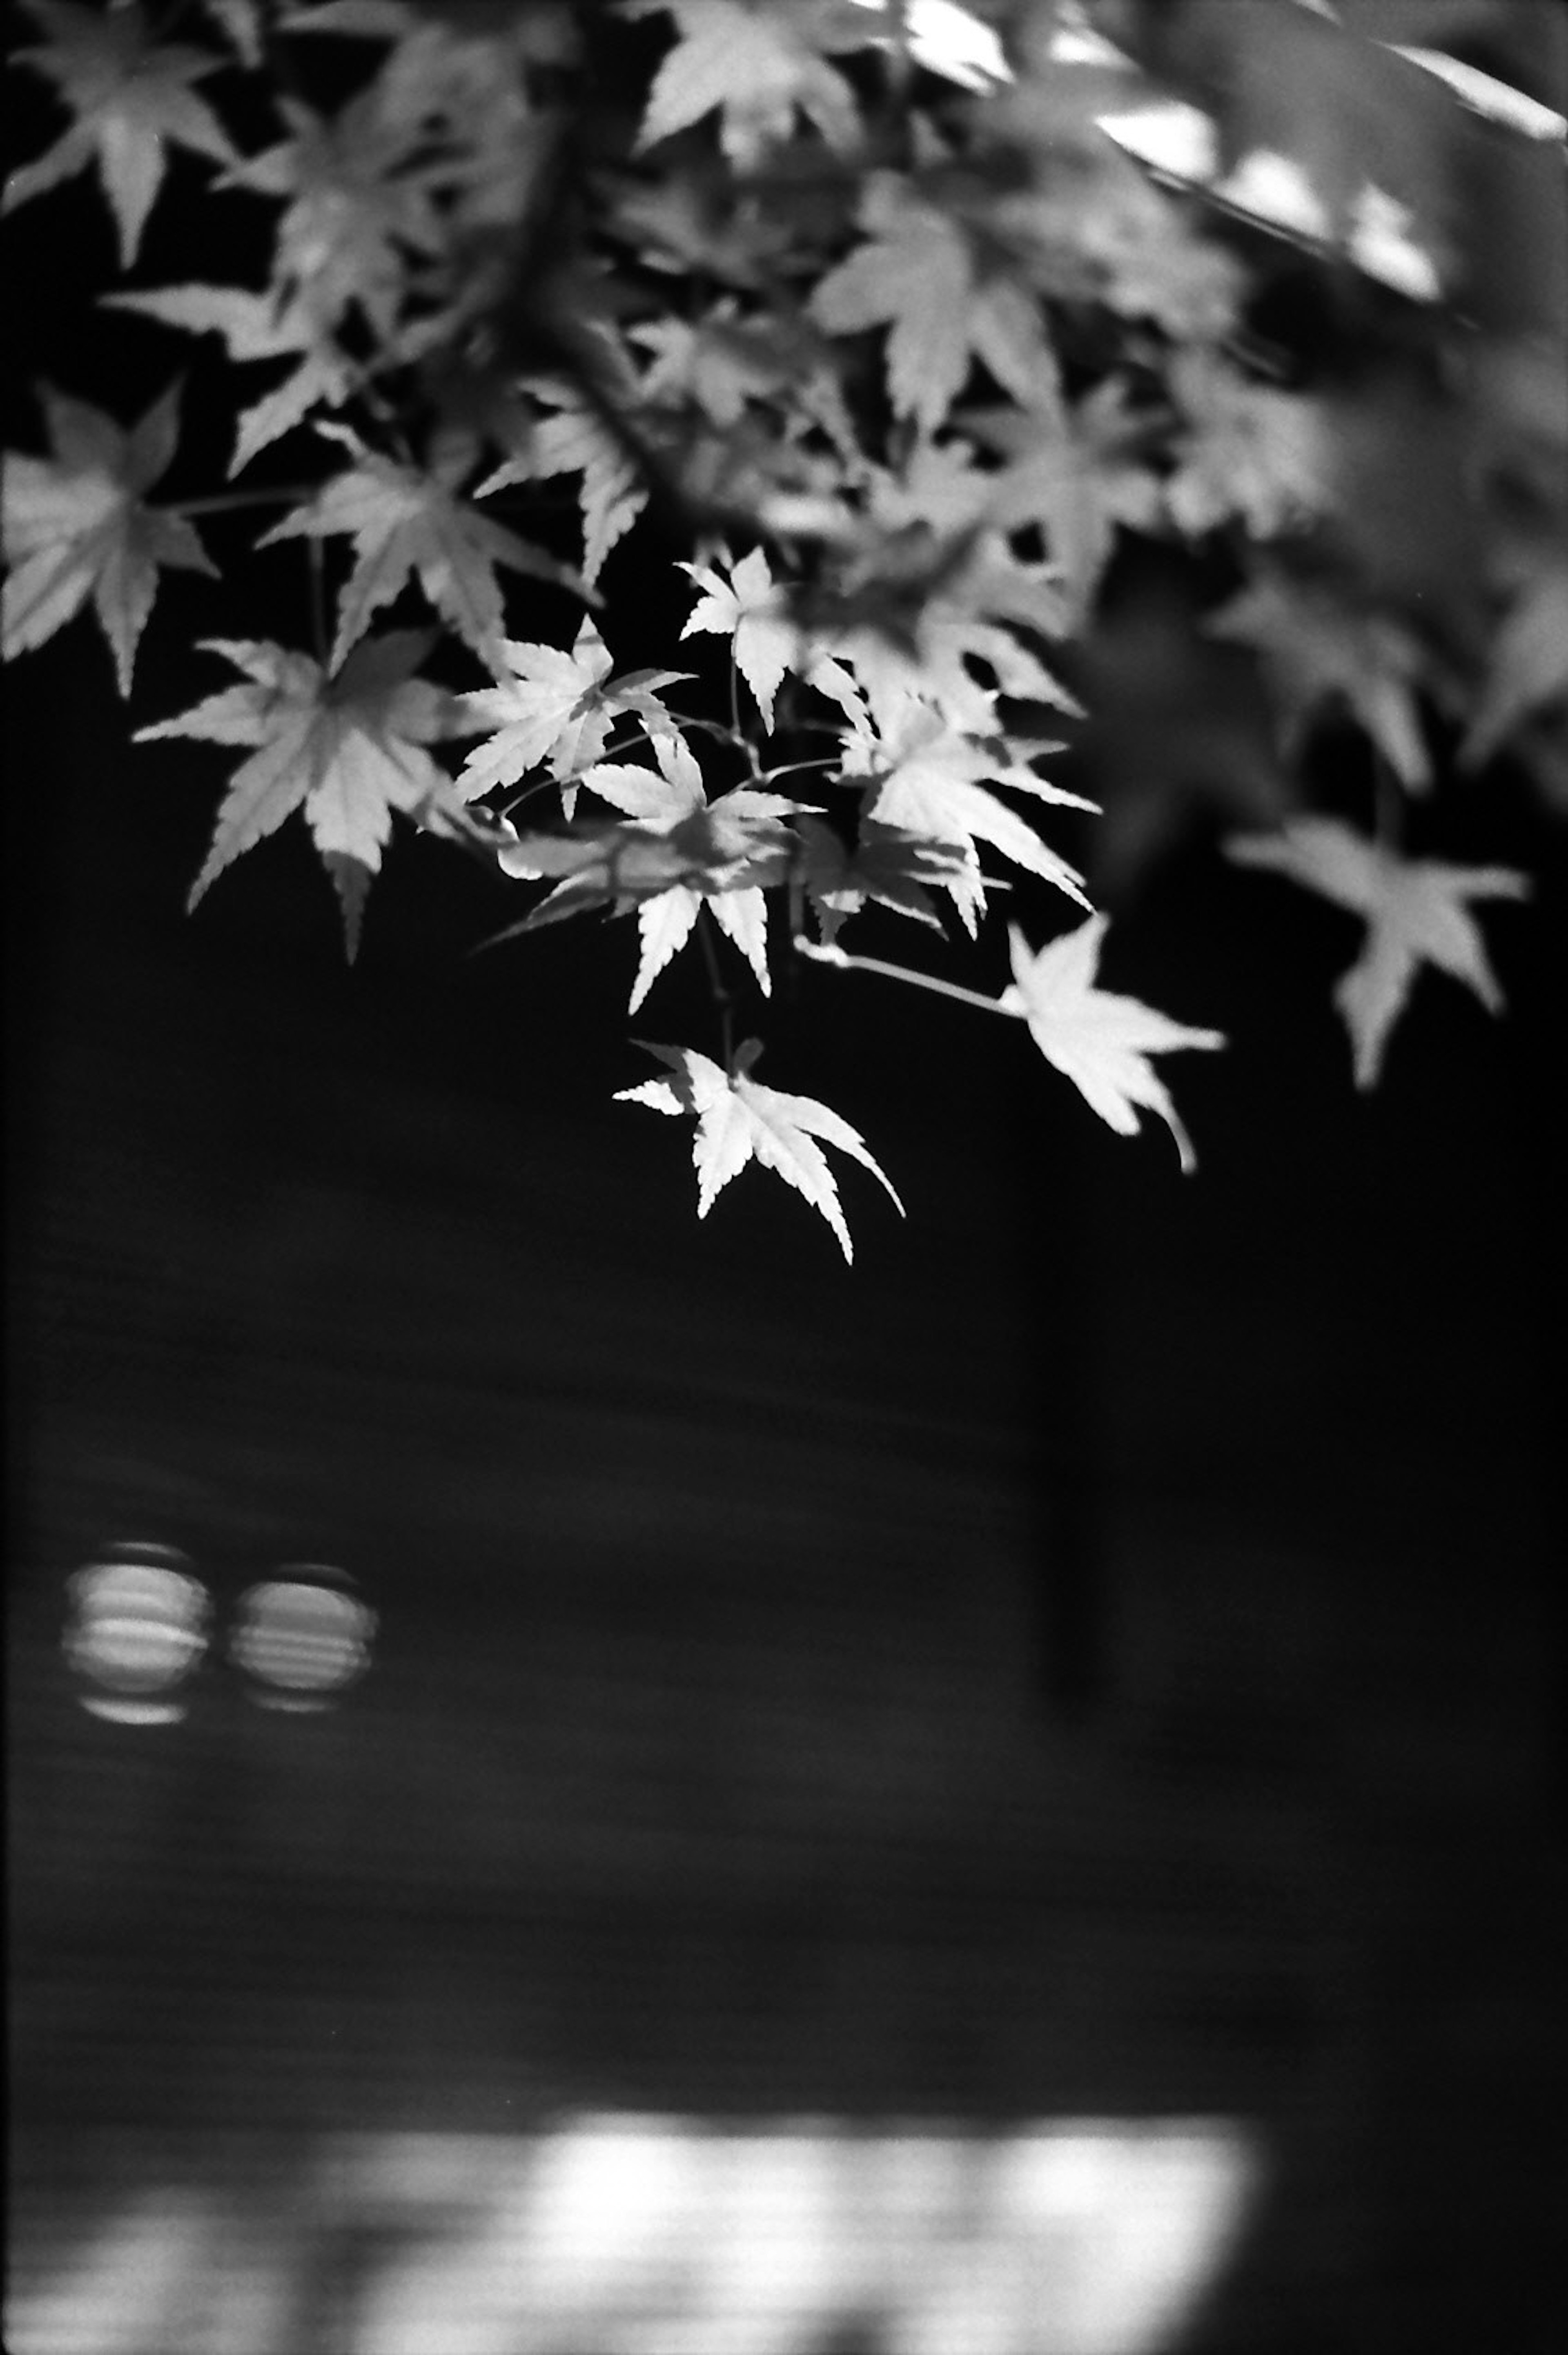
x=889, y=316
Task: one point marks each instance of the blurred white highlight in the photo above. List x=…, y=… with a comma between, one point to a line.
x=137, y=1628
x=629, y=2234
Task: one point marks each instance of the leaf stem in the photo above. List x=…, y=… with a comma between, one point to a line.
x=317, y=599
x=223, y=502
x=722, y=996
x=824, y=953
x=789, y=768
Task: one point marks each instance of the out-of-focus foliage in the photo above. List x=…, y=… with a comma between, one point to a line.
x=1186, y=377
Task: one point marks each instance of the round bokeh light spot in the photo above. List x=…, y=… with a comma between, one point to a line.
x=137, y=1630
x=301, y=1637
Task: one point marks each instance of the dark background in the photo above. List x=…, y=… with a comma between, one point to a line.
x=1100, y=1656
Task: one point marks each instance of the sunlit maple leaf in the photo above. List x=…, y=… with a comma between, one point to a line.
x=256, y=327
x=922, y=277
x=754, y=615
x=346, y=747
x=1416, y=913
x=404, y=523
x=77, y=525
x=556, y=708
x=928, y=782
x=883, y=864
x=663, y=797
x=679, y=851
x=757, y=63
x=738, y=1121
x=1098, y=1040
x=130, y=95
x=574, y=440
x=1319, y=652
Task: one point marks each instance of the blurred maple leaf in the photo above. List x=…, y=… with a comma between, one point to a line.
x=574, y=440
x=1416, y=913
x=75, y=525
x=1528, y=673
x=1319, y=651
x=360, y=208
x=921, y=276
x=129, y=95
x=1098, y=1040
x=1246, y=450
x=256, y=327
x=348, y=747
x=757, y=64
x=738, y=1121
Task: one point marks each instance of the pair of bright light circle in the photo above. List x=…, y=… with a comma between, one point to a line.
x=142, y=1621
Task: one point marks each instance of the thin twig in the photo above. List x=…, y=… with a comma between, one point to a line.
x=317, y=599
x=723, y=997
x=221, y=501
x=824, y=953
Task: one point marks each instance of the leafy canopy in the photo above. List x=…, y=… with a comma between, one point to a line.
x=867, y=355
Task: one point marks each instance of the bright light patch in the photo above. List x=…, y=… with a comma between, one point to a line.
x=624, y=2235
x=301, y=1637
x=1489, y=96
x=1179, y=142
x=1099, y=2237
x=947, y=40
x=1381, y=245
x=137, y=1629
x=1176, y=139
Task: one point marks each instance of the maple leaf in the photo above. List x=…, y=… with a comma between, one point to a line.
x=715, y=850
x=406, y=523
x=754, y=615
x=1529, y=666
x=256, y=327
x=129, y=95
x=675, y=793
x=358, y=209
x=1075, y=475
x=242, y=25
x=757, y=64
x=556, y=707
x=1098, y=1040
x=927, y=778
x=77, y=525
x=1247, y=451
x=1416, y=913
x=348, y=747
x=575, y=440
x=884, y=864
x=1319, y=652
x=738, y=1121
x=679, y=851
x=912, y=607
x=921, y=276
x=720, y=364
